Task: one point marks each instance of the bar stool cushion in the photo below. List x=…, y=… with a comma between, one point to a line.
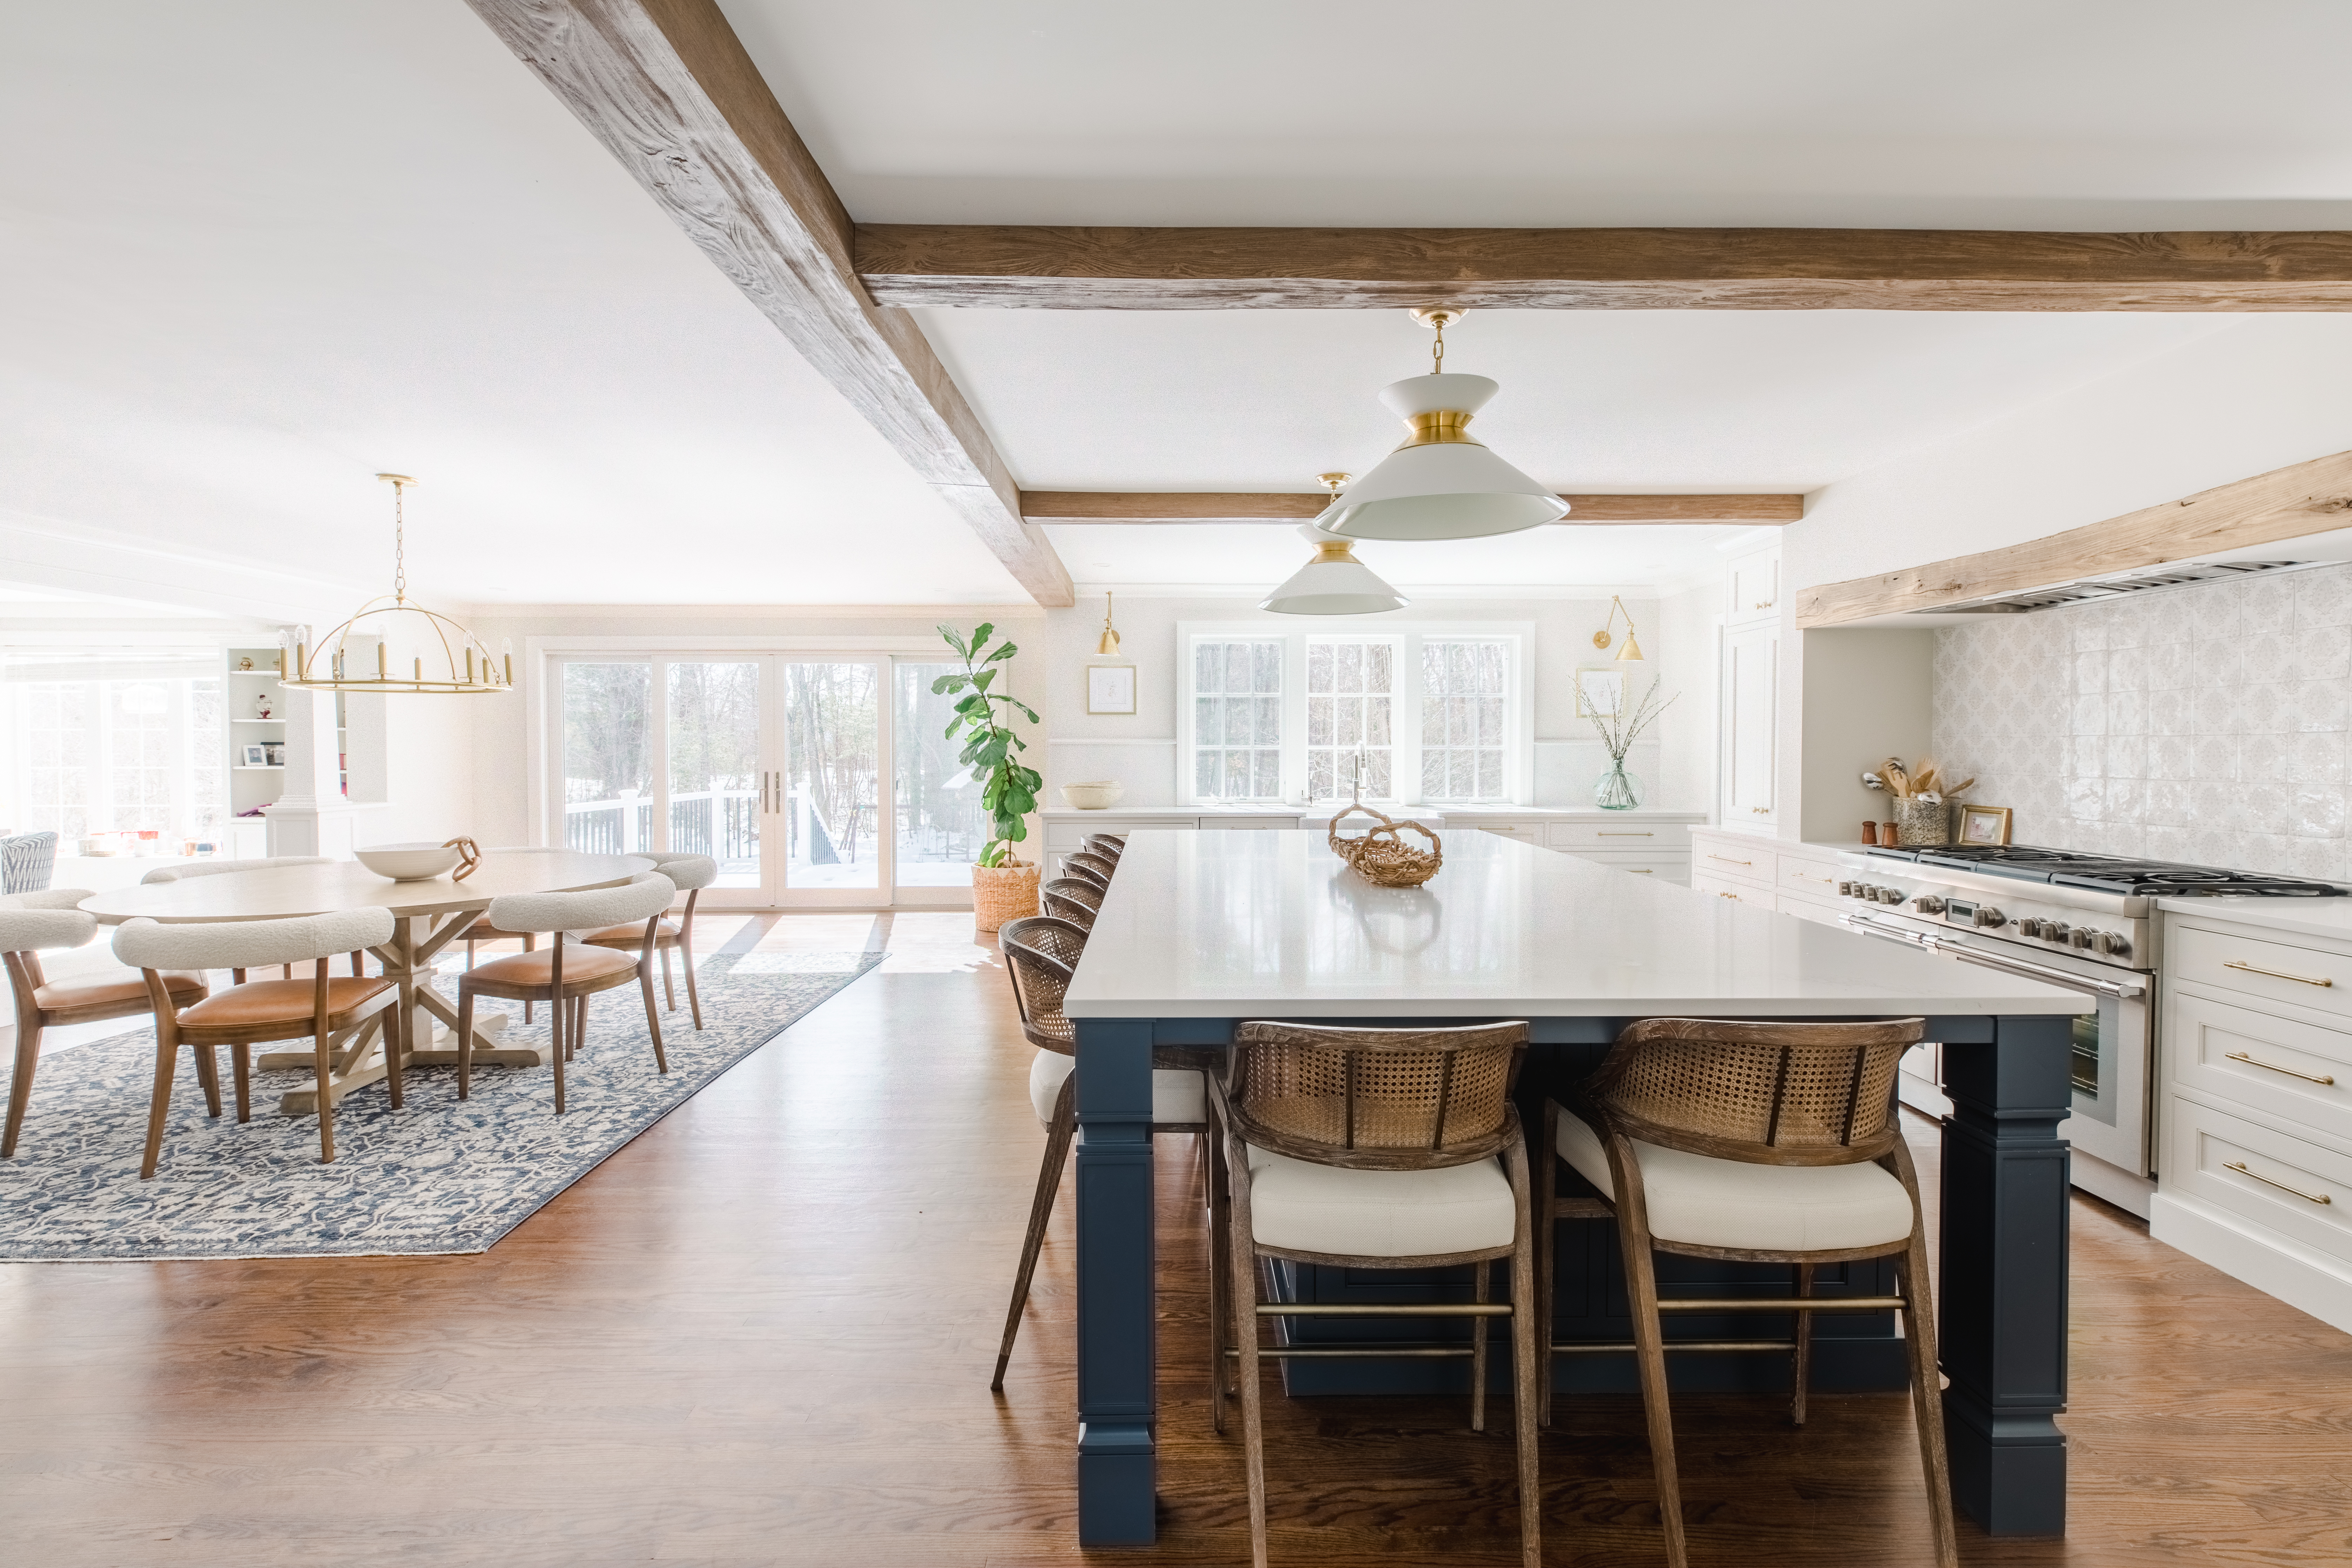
x=1301, y=1207
x=539, y=968
x=1179, y=1095
x=265, y=1002
x=1769, y=1208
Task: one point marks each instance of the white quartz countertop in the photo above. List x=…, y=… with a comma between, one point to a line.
x=1227, y=924
x=2330, y=918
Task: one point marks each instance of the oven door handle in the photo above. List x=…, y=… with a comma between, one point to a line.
x=2115, y=988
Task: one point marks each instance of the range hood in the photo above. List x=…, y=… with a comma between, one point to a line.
x=2118, y=585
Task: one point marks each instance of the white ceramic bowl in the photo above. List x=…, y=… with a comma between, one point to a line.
x=409, y=862
x=1093, y=796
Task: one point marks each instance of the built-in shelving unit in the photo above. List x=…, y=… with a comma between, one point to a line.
x=251, y=786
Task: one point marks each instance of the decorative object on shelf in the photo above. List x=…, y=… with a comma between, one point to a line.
x=1442, y=482
x=1004, y=886
x=1107, y=646
x=265, y=705
x=1631, y=652
x=1921, y=821
x=1870, y=833
x=243, y=665
x=1111, y=689
x=1619, y=789
x=1097, y=795
x=1984, y=823
x=1923, y=801
x=1334, y=583
x=469, y=856
x=1380, y=856
x=462, y=663
x=254, y=755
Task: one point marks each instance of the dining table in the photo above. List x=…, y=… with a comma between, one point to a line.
x=1202, y=931
x=428, y=914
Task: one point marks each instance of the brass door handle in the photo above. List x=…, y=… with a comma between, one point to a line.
x=2276, y=974
x=2273, y=1067
x=2298, y=1192
x=1729, y=861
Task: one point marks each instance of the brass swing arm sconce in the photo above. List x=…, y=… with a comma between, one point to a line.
x=1632, y=649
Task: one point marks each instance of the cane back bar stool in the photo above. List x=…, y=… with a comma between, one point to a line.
x=1104, y=845
x=1375, y=1148
x=338, y=1014
x=1042, y=954
x=1091, y=867
x=1756, y=1143
x=1072, y=899
x=34, y=923
x=691, y=874
x=568, y=973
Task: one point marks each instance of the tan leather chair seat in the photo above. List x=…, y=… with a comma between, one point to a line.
x=265, y=1002
x=62, y=998
x=632, y=935
x=483, y=931
x=538, y=968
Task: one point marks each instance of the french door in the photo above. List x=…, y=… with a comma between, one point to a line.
x=813, y=779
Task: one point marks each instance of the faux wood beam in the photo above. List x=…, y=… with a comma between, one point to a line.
x=1123, y=506
x=2286, y=503
x=668, y=88
x=1074, y=269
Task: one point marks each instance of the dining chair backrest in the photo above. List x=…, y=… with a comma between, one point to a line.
x=44, y=921
x=641, y=897
x=1382, y=1100
x=1072, y=899
x=1770, y=1094
x=249, y=944
x=221, y=868
x=27, y=860
x=1042, y=955
x=687, y=872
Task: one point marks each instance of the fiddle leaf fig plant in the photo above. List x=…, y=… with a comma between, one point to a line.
x=1009, y=791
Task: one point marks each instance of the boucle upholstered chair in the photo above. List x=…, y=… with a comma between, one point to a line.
x=163, y=874
x=691, y=873
x=338, y=1014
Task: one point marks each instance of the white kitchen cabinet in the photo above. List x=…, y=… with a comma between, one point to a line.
x=1752, y=587
x=1750, y=744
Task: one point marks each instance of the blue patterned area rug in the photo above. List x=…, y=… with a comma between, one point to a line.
x=440, y=1175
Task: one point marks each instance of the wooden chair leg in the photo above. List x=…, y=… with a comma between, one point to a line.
x=323, y=1061
x=579, y=1025
x=1650, y=1352
x=653, y=1020
x=1529, y=1361
x=1481, y=1285
x=530, y=945
x=685, y=961
x=241, y=1061
x=208, y=1078
x=159, y=1106
x=669, y=994
x=1926, y=1393
x=1058, y=1134
x=20, y=1087
x=464, y=1040
x=1801, y=1377
x=561, y=1047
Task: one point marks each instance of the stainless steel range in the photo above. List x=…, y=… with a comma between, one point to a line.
x=2086, y=922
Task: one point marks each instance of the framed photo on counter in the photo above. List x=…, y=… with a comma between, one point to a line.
x=1984, y=824
x=1111, y=689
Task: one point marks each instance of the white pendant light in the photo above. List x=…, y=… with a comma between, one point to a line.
x=1335, y=583
x=1442, y=482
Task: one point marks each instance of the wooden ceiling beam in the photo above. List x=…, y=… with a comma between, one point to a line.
x=669, y=91
x=1130, y=507
x=1087, y=269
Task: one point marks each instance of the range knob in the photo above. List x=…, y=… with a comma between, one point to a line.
x=1890, y=895
x=2113, y=943
x=2080, y=936
x=1992, y=918
x=1928, y=904
x=1845, y=890
x=2055, y=930
x=2029, y=926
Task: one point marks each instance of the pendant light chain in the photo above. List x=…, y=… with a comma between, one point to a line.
x=1437, y=350
x=399, y=543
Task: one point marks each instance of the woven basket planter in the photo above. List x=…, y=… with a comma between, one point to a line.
x=1001, y=893
x=1923, y=822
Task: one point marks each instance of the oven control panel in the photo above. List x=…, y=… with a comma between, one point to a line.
x=1976, y=913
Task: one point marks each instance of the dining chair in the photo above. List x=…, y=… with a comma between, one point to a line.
x=27, y=860
x=1041, y=954
x=691, y=873
x=1091, y=867
x=340, y=1015
x=1072, y=899
x=182, y=873
x=568, y=972
x=1373, y=1149
x=35, y=923
x=1758, y=1142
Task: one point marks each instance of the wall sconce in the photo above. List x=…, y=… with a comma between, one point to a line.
x=1632, y=651
x=1109, y=647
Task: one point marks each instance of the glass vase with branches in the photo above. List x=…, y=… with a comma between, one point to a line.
x=1620, y=728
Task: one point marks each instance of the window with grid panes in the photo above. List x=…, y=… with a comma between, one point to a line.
x=1463, y=686
x=1237, y=718
x=1349, y=688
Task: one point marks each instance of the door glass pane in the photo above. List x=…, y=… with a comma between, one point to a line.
x=940, y=826
x=608, y=781
x=714, y=762
x=832, y=744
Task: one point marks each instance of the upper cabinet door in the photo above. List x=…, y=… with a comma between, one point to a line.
x=1751, y=725
x=1754, y=586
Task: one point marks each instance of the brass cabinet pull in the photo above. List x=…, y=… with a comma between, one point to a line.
x=2276, y=974
x=2273, y=1067
x=1604, y=833
x=1733, y=897
x=1729, y=861
x=2239, y=1167
x=1639, y=870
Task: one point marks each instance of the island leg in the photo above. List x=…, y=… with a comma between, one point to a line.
x=1117, y=1398
x=2003, y=1307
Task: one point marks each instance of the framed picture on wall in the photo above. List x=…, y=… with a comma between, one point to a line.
x=1111, y=689
x=1984, y=824
x=1600, y=689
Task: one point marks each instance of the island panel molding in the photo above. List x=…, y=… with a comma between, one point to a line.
x=1097, y=269
x=1301, y=506
x=2301, y=498
x=670, y=91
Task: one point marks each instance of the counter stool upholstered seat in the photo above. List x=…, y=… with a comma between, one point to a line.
x=568, y=972
x=1758, y=1142
x=1042, y=954
x=1072, y=899
x=1372, y=1149
x=34, y=923
x=691, y=874
x=345, y=1014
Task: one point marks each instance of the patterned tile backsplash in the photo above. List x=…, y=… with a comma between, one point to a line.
x=2211, y=723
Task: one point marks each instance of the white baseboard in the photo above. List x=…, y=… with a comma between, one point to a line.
x=2133, y=1194
x=2273, y=1264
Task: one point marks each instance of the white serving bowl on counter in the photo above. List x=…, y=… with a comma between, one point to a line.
x=409, y=862
x=1097, y=796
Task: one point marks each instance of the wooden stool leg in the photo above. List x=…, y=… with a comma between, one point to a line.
x=160, y=1106
x=1481, y=1282
x=1058, y=1134
x=685, y=961
x=1802, y=1376
x=1546, y=1207
x=20, y=1087
x=1649, y=1341
x=241, y=1061
x=1243, y=1254
x=1529, y=1360
x=1220, y=1239
x=1927, y=1394
x=653, y=1019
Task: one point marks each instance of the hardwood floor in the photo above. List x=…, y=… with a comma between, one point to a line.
x=762, y=1333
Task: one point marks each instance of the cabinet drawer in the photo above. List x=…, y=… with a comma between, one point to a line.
x=2299, y=1071
x=1739, y=892
x=1811, y=877
x=1664, y=867
x=1738, y=862
x=2293, y=1186
x=1672, y=836
x=2260, y=966
x=1808, y=908
x=1525, y=831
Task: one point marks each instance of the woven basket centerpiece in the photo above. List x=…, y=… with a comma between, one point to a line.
x=1380, y=854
